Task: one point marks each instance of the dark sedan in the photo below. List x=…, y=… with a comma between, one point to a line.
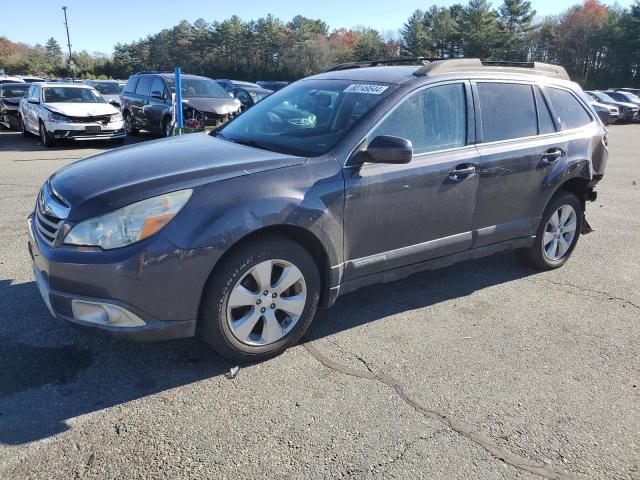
x=10, y=95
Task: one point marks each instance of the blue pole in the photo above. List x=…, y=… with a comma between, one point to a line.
x=179, y=119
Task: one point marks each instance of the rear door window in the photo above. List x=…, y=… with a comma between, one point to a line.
x=570, y=112
x=130, y=87
x=433, y=119
x=507, y=111
x=144, y=86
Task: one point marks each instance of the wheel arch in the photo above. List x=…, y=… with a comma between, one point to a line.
x=307, y=239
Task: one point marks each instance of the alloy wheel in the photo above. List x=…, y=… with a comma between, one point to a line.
x=559, y=233
x=266, y=303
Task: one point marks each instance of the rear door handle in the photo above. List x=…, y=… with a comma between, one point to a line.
x=462, y=172
x=552, y=155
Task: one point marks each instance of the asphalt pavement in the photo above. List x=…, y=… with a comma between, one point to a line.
x=485, y=370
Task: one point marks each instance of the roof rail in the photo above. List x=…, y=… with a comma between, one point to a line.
x=376, y=63
x=150, y=71
x=466, y=64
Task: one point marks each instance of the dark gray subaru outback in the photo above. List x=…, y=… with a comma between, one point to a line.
x=351, y=177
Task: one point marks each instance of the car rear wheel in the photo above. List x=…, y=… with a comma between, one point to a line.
x=129, y=126
x=23, y=128
x=46, y=139
x=261, y=300
x=557, y=233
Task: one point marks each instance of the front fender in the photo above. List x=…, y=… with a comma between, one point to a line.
x=308, y=196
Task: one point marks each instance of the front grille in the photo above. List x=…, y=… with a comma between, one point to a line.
x=103, y=119
x=50, y=213
x=48, y=227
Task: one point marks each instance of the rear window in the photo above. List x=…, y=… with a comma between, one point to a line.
x=507, y=111
x=144, y=86
x=130, y=86
x=570, y=112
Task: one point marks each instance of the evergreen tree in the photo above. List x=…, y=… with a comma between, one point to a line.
x=479, y=29
x=415, y=39
x=54, y=52
x=515, y=17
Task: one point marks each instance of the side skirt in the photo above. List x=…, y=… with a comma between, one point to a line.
x=434, y=264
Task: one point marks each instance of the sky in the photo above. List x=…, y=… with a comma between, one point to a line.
x=98, y=26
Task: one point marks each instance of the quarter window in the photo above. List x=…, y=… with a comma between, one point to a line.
x=571, y=114
x=432, y=119
x=507, y=111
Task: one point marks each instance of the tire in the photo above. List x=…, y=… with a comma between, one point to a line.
x=46, y=139
x=166, y=128
x=23, y=129
x=220, y=323
x=548, y=235
x=129, y=124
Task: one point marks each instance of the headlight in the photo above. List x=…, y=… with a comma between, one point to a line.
x=129, y=224
x=55, y=117
x=116, y=117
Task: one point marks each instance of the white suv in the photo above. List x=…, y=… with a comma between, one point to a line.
x=57, y=111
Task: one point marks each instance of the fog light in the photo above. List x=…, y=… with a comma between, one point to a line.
x=104, y=314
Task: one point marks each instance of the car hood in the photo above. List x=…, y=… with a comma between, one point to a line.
x=218, y=105
x=627, y=104
x=110, y=180
x=111, y=96
x=11, y=100
x=81, y=109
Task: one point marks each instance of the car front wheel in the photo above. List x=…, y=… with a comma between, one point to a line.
x=557, y=233
x=129, y=125
x=46, y=139
x=261, y=299
x=23, y=128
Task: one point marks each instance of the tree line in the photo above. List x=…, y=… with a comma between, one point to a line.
x=599, y=45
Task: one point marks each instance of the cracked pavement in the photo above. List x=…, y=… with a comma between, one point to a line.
x=485, y=370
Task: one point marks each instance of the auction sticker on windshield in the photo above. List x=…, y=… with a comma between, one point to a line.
x=361, y=88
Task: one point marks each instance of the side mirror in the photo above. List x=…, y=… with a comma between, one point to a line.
x=388, y=149
x=156, y=94
x=114, y=102
x=33, y=100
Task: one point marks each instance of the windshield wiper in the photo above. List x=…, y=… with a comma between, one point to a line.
x=247, y=142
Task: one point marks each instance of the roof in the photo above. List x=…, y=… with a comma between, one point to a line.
x=15, y=84
x=381, y=71
x=387, y=74
x=64, y=84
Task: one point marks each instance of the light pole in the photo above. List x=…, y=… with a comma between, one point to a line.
x=66, y=25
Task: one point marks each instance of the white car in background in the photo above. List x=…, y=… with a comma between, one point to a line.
x=8, y=79
x=60, y=111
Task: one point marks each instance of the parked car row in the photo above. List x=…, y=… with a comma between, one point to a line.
x=616, y=105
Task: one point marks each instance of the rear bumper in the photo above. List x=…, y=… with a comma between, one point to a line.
x=158, y=306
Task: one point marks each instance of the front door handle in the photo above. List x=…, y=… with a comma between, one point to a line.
x=552, y=155
x=462, y=172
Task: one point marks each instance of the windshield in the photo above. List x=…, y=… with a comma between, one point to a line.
x=198, y=87
x=603, y=97
x=107, y=88
x=13, y=90
x=307, y=118
x=71, y=95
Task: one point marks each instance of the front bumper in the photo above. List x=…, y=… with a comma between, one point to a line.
x=9, y=119
x=86, y=131
x=148, y=281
